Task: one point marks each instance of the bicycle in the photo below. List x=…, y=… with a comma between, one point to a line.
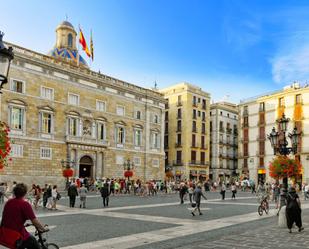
x=41, y=240
x=264, y=206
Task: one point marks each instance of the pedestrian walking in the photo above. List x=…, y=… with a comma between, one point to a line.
x=182, y=191
x=45, y=197
x=234, y=191
x=293, y=210
x=37, y=196
x=83, y=195
x=72, y=193
x=55, y=196
x=49, y=198
x=197, y=198
x=105, y=192
x=191, y=191
x=223, y=189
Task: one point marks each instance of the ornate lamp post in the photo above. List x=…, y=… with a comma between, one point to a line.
x=6, y=56
x=68, y=172
x=278, y=140
x=128, y=167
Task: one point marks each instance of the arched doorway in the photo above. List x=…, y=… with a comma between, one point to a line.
x=85, y=167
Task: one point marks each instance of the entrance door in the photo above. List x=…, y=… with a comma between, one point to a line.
x=85, y=167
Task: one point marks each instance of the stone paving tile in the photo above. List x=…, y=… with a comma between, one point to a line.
x=270, y=236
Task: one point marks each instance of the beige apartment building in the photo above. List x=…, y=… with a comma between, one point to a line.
x=58, y=109
x=223, y=141
x=186, y=139
x=257, y=118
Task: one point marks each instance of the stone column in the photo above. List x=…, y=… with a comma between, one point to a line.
x=100, y=170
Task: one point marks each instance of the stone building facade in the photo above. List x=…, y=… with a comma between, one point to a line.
x=58, y=109
x=186, y=139
x=223, y=141
x=257, y=118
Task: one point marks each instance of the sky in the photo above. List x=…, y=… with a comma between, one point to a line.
x=233, y=49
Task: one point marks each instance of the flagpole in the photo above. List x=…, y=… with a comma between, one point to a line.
x=90, y=60
x=78, y=46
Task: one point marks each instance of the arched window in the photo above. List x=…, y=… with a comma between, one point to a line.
x=70, y=40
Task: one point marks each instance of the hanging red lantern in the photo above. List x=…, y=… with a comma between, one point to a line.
x=68, y=172
x=128, y=173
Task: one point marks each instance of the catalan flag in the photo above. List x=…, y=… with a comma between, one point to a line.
x=82, y=41
x=91, y=46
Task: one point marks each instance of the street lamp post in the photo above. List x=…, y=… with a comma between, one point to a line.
x=128, y=166
x=279, y=143
x=6, y=56
x=67, y=166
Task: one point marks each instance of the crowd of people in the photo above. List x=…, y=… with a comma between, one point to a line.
x=18, y=195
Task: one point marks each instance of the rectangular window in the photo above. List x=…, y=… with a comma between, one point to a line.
x=17, y=118
x=166, y=116
x=138, y=115
x=46, y=122
x=194, y=126
x=120, y=136
x=155, y=119
x=137, y=161
x=155, y=140
x=73, y=126
x=178, y=139
x=194, y=114
x=137, y=137
x=204, y=104
x=210, y=126
x=155, y=163
x=262, y=107
x=119, y=160
x=262, y=162
x=179, y=113
x=203, y=116
x=203, y=142
x=45, y=153
x=120, y=110
x=73, y=99
x=47, y=93
x=178, y=125
x=194, y=100
x=178, y=156
x=221, y=126
x=203, y=128
x=281, y=102
x=101, y=131
x=101, y=106
x=18, y=86
x=298, y=99
x=193, y=140
x=193, y=156
x=202, y=157
x=246, y=121
x=17, y=150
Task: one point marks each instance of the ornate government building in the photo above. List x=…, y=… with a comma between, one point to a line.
x=58, y=109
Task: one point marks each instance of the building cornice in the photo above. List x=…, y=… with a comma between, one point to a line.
x=80, y=73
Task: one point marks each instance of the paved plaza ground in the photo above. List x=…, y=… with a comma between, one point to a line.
x=161, y=222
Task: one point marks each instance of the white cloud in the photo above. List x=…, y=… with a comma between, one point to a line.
x=292, y=65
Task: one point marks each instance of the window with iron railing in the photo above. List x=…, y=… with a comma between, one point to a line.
x=194, y=114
